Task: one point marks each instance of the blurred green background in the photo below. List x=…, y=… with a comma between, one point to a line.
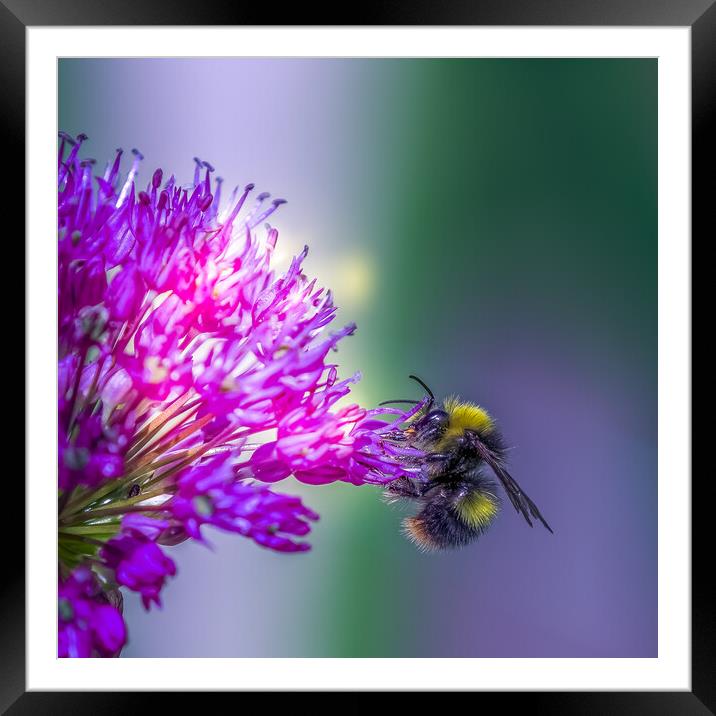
x=492, y=227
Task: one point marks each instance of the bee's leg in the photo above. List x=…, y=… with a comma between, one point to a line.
x=437, y=464
x=437, y=457
x=396, y=436
x=405, y=487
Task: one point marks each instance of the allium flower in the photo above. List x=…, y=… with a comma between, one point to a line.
x=189, y=373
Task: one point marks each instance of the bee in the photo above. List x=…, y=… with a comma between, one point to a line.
x=464, y=451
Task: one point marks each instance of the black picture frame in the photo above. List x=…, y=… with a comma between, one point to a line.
x=699, y=15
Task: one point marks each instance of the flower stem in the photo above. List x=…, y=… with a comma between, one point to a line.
x=102, y=529
x=131, y=504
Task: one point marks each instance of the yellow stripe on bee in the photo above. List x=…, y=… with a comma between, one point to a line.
x=477, y=509
x=462, y=417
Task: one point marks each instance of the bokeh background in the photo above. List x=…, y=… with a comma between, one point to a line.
x=492, y=226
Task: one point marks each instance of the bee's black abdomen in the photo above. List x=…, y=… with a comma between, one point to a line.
x=437, y=526
x=444, y=526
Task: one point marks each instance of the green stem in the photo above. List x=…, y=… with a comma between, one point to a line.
x=120, y=507
x=127, y=510
x=62, y=502
x=84, y=499
x=103, y=529
x=77, y=495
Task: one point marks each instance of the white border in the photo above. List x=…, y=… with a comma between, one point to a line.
x=671, y=670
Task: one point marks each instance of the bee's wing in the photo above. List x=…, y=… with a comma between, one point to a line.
x=518, y=498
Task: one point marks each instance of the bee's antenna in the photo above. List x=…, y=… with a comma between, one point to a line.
x=427, y=390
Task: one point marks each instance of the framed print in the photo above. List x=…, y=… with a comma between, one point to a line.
x=426, y=276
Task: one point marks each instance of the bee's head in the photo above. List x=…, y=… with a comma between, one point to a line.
x=441, y=427
x=431, y=426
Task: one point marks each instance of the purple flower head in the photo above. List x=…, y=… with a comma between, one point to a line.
x=209, y=493
x=88, y=625
x=189, y=373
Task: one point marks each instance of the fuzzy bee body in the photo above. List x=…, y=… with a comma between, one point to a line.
x=452, y=513
x=459, y=500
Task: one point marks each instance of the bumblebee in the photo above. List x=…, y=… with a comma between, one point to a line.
x=459, y=500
